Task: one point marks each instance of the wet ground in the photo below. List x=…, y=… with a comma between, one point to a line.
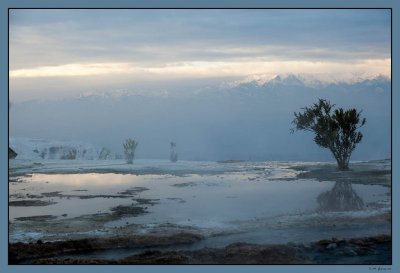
x=223, y=203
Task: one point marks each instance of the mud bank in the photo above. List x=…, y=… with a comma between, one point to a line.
x=369, y=250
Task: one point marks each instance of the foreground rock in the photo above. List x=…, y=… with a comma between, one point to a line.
x=370, y=250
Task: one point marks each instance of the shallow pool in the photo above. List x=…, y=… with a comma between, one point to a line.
x=250, y=197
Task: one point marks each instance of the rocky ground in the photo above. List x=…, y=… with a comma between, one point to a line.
x=370, y=250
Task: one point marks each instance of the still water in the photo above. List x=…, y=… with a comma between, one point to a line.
x=247, y=199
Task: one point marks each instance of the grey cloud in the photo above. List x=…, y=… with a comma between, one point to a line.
x=53, y=37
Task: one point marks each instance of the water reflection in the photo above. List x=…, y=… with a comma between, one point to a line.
x=342, y=197
x=98, y=180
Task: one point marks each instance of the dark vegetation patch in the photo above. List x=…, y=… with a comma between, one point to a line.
x=142, y=201
x=60, y=195
x=97, y=196
x=123, y=211
x=30, y=203
x=117, y=212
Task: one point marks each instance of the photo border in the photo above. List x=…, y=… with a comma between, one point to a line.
x=6, y=5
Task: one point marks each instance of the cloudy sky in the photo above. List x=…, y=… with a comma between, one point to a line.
x=59, y=53
x=100, y=76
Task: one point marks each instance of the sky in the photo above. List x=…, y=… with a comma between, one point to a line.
x=60, y=53
x=196, y=77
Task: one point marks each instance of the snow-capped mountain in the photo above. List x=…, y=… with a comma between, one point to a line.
x=306, y=80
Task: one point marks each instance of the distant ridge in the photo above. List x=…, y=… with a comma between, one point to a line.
x=308, y=80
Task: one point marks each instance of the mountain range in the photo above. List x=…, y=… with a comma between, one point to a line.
x=248, y=119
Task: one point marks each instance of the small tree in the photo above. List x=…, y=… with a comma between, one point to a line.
x=104, y=153
x=174, y=155
x=129, y=149
x=336, y=130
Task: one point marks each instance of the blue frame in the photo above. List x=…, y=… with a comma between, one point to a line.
x=5, y=5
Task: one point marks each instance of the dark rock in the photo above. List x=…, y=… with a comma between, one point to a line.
x=324, y=242
x=382, y=238
x=11, y=153
x=357, y=241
